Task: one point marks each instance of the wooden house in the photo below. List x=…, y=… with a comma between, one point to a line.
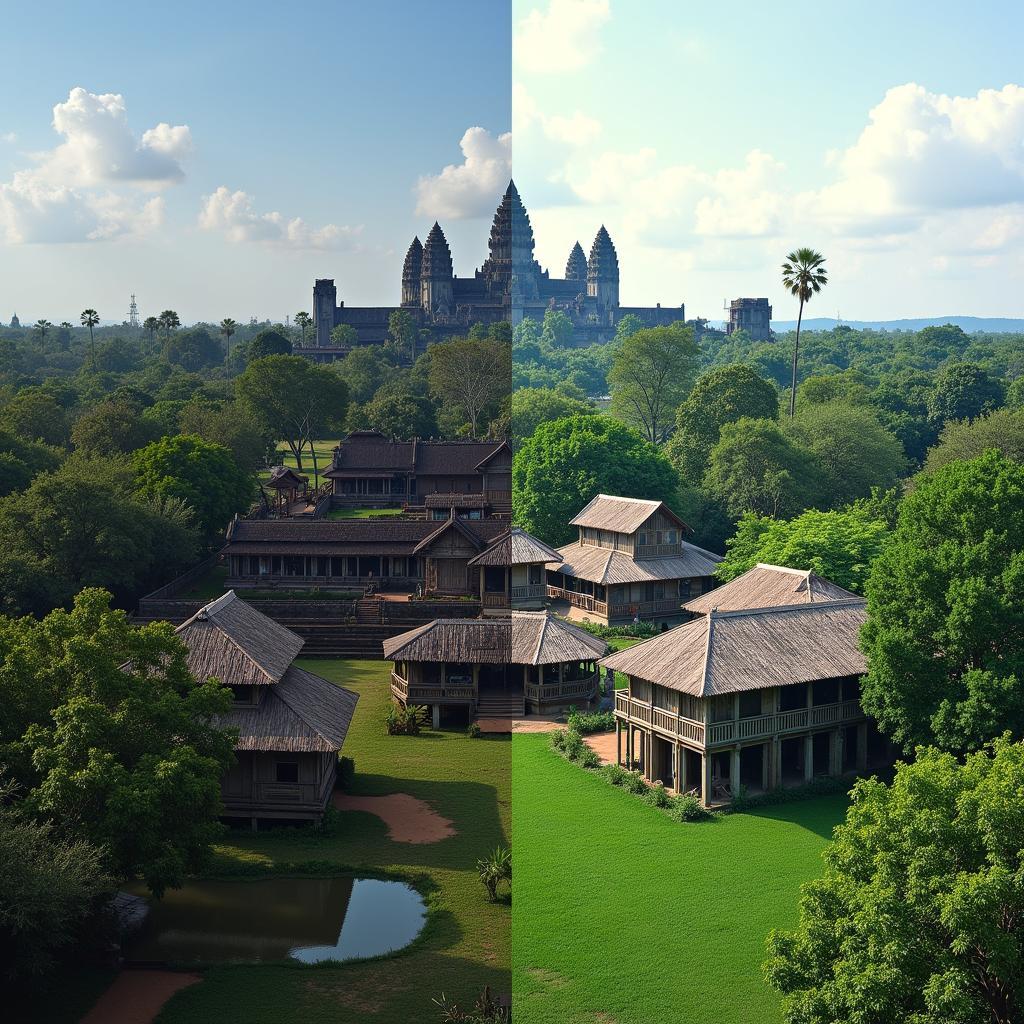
x=291, y=723
x=630, y=561
x=494, y=667
x=756, y=697
x=287, y=486
x=765, y=586
x=369, y=469
x=512, y=572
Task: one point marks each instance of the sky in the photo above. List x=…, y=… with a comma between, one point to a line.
x=713, y=139
x=217, y=159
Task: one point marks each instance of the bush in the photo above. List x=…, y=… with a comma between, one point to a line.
x=486, y=1010
x=574, y=746
x=643, y=630
x=615, y=774
x=558, y=740
x=495, y=868
x=687, y=807
x=473, y=730
x=635, y=784
x=589, y=759
x=586, y=723
x=405, y=721
x=346, y=773
x=658, y=796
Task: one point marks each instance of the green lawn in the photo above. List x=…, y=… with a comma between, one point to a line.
x=324, y=455
x=363, y=513
x=620, y=643
x=623, y=916
x=466, y=943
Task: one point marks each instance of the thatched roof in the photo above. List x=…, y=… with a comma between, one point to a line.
x=765, y=586
x=364, y=452
x=525, y=638
x=284, y=477
x=458, y=525
x=230, y=640
x=605, y=566
x=517, y=547
x=728, y=652
x=303, y=713
x=455, y=499
x=622, y=515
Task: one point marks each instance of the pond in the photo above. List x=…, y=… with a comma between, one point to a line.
x=307, y=919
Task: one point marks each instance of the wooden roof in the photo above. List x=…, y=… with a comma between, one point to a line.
x=366, y=450
x=765, y=586
x=622, y=515
x=606, y=566
x=302, y=713
x=524, y=638
x=517, y=547
x=458, y=525
x=455, y=499
x=282, y=477
x=751, y=649
x=231, y=641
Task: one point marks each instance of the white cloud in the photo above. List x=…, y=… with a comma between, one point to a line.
x=472, y=188
x=564, y=37
x=73, y=191
x=9, y=137
x=575, y=129
x=234, y=214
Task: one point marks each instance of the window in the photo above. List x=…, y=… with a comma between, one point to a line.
x=641, y=538
x=287, y=771
x=670, y=537
x=534, y=572
x=241, y=694
x=750, y=704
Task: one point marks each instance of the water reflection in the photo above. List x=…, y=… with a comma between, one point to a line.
x=309, y=919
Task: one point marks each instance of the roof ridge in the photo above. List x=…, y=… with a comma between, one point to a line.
x=704, y=684
x=540, y=641
x=782, y=568
x=837, y=602
x=282, y=696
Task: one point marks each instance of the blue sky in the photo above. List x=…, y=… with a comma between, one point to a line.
x=327, y=114
x=711, y=139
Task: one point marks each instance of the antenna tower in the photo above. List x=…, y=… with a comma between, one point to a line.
x=133, y=313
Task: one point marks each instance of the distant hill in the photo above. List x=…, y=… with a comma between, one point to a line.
x=969, y=323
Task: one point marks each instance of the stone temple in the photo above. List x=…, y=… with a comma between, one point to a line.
x=510, y=285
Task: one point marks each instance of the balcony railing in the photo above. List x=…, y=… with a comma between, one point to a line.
x=531, y=592
x=496, y=600
x=659, y=606
x=432, y=693
x=568, y=689
x=736, y=730
x=584, y=601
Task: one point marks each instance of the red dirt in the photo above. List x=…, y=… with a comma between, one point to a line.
x=408, y=819
x=603, y=744
x=136, y=997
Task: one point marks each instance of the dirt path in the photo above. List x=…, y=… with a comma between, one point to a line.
x=136, y=997
x=409, y=820
x=603, y=744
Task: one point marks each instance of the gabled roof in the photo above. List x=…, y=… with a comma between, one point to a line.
x=751, y=649
x=502, y=447
x=231, y=641
x=765, y=586
x=622, y=515
x=606, y=566
x=517, y=547
x=366, y=451
x=303, y=713
x=526, y=638
x=459, y=525
x=285, y=476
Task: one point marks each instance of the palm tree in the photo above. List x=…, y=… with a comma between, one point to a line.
x=43, y=327
x=227, y=328
x=90, y=318
x=64, y=338
x=803, y=274
x=152, y=325
x=169, y=321
x=303, y=320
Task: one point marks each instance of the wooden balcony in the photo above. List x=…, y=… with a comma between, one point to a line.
x=739, y=730
x=582, y=690
x=584, y=601
x=531, y=592
x=660, y=606
x=432, y=693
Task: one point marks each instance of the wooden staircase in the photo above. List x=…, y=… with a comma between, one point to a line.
x=498, y=705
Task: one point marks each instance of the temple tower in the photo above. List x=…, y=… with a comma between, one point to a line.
x=411, y=274
x=436, y=274
x=603, y=271
x=576, y=266
x=511, y=249
x=325, y=302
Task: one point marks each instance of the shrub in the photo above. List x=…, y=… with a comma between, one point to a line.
x=643, y=630
x=346, y=772
x=586, y=723
x=635, y=784
x=574, y=746
x=558, y=740
x=615, y=774
x=494, y=869
x=486, y=1010
x=405, y=721
x=687, y=807
x=658, y=796
x=589, y=759
x=473, y=730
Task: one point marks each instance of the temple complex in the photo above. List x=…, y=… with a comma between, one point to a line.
x=511, y=285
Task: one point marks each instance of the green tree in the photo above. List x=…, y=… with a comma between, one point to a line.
x=963, y=440
x=627, y=327
x=269, y=342
x=235, y=427
x=568, y=461
x=403, y=332
x=303, y=321
x=296, y=400
x=556, y=331
x=112, y=427
x=850, y=386
x=64, y=335
x=722, y=395
x=533, y=406
x=364, y=370
x=651, y=373
x=917, y=919
x=112, y=739
x=170, y=322
x=470, y=377
x=90, y=318
x=200, y=473
x=194, y=350
x=964, y=391
x=49, y=885
x=344, y=336
x=1015, y=394
x=803, y=275
x=42, y=328
x=755, y=467
x=945, y=632
x=228, y=328
x=839, y=546
x=151, y=325
x=853, y=450
x=398, y=410
x=33, y=414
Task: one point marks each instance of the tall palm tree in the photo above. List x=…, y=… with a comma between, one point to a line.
x=803, y=274
x=43, y=327
x=151, y=325
x=90, y=318
x=227, y=328
x=169, y=321
x=64, y=338
x=303, y=320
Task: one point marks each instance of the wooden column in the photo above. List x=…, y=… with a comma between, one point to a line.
x=705, y=779
x=766, y=765
x=436, y=716
x=835, y=752
x=734, y=771
x=629, y=745
x=862, y=746
x=775, y=776
x=808, y=757
x=682, y=783
x=618, y=741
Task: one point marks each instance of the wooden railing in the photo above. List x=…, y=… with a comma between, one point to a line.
x=735, y=730
x=567, y=689
x=657, y=550
x=584, y=601
x=496, y=600
x=531, y=592
x=660, y=606
x=431, y=693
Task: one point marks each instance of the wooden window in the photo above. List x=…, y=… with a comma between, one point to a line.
x=286, y=771
x=534, y=575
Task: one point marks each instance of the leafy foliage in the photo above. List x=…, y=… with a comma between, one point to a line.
x=495, y=869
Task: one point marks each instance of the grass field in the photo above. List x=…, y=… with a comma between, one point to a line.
x=624, y=916
x=324, y=455
x=466, y=943
x=363, y=513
